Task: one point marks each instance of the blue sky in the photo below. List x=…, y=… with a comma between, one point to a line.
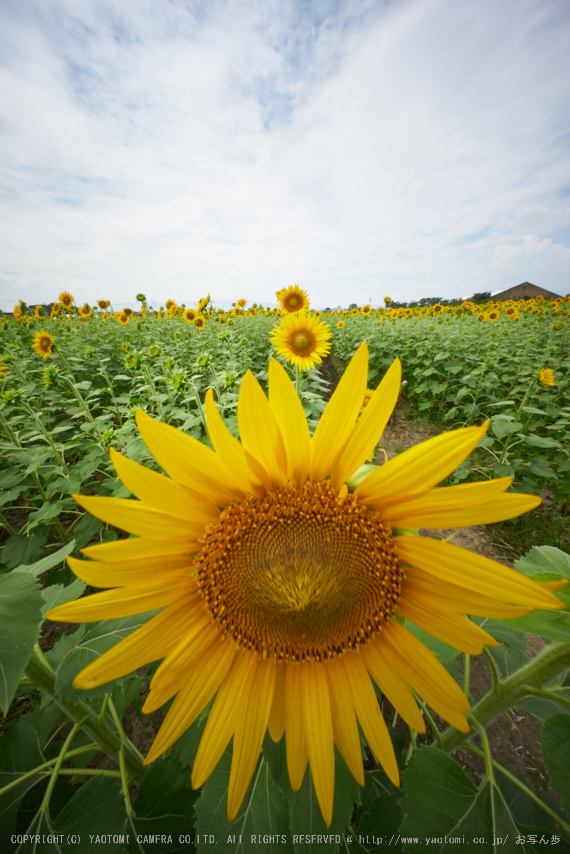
x=411, y=148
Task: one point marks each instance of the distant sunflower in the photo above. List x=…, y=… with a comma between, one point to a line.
x=494, y=315
x=103, y=304
x=3, y=370
x=284, y=591
x=122, y=318
x=354, y=312
x=340, y=324
x=42, y=344
x=169, y=303
x=293, y=299
x=190, y=315
x=84, y=311
x=242, y=303
x=39, y=312
x=199, y=323
x=366, y=309
x=17, y=312
x=302, y=340
x=66, y=299
x=128, y=311
x=203, y=303
x=547, y=377
x=222, y=320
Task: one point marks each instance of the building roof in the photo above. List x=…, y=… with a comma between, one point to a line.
x=525, y=289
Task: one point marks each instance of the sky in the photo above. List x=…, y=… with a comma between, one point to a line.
x=357, y=148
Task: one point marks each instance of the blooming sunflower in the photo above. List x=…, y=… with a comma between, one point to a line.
x=42, y=344
x=302, y=339
x=39, y=312
x=242, y=303
x=340, y=324
x=190, y=315
x=17, y=312
x=547, y=377
x=199, y=323
x=3, y=370
x=103, y=304
x=122, y=318
x=284, y=588
x=202, y=303
x=84, y=311
x=66, y=299
x=494, y=314
x=293, y=299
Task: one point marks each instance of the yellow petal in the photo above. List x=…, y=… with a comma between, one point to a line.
x=137, y=548
x=337, y=421
x=258, y=429
x=233, y=454
x=221, y=722
x=416, y=471
x=199, y=634
x=345, y=728
x=125, y=574
x=466, y=569
x=194, y=697
x=296, y=742
x=188, y=461
x=124, y=601
x=391, y=684
x=369, y=426
x=446, y=499
x=369, y=715
x=252, y=717
x=449, y=626
x=288, y=410
x=140, y=519
x=161, y=492
x=420, y=667
x=276, y=724
x=149, y=643
x=319, y=734
x=460, y=598
x=497, y=510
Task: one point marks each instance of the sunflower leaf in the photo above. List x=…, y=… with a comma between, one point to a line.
x=262, y=823
x=20, y=621
x=555, y=745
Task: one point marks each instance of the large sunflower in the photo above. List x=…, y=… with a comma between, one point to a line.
x=42, y=344
x=293, y=299
x=284, y=588
x=302, y=339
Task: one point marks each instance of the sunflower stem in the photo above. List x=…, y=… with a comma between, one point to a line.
x=46, y=766
x=431, y=722
x=56, y=768
x=41, y=677
x=486, y=751
x=495, y=674
x=549, y=695
x=553, y=659
x=5, y=524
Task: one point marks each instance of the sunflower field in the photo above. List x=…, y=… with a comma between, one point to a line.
x=222, y=624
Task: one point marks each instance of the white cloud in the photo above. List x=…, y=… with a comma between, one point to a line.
x=235, y=147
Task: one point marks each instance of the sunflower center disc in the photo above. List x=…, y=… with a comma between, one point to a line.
x=300, y=574
x=302, y=342
x=293, y=301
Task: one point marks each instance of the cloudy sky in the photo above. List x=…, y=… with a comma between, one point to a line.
x=357, y=148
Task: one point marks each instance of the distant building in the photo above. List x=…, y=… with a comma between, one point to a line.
x=524, y=291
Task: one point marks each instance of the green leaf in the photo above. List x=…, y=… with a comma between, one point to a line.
x=96, y=809
x=48, y=511
x=441, y=803
x=502, y=428
x=540, y=708
x=164, y=808
x=48, y=562
x=57, y=594
x=555, y=746
x=98, y=638
x=20, y=550
x=87, y=526
x=262, y=815
x=539, y=441
x=20, y=621
x=512, y=654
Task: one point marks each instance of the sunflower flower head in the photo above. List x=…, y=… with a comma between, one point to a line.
x=3, y=370
x=547, y=377
x=39, y=312
x=200, y=323
x=103, y=304
x=293, y=299
x=190, y=315
x=42, y=344
x=285, y=584
x=66, y=300
x=302, y=339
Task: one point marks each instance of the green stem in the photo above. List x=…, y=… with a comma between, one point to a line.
x=125, y=782
x=57, y=767
x=486, y=750
x=5, y=524
x=39, y=675
x=549, y=695
x=528, y=792
x=466, y=673
x=298, y=382
x=428, y=715
x=47, y=765
x=200, y=407
x=121, y=732
x=553, y=659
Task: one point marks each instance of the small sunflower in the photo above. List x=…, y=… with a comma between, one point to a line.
x=66, y=299
x=367, y=397
x=354, y=312
x=388, y=300
x=494, y=315
x=284, y=589
x=203, y=303
x=437, y=308
x=366, y=309
x=222, y=320
x=302, y=340
x=42, y=344
x=169, y=303
x=242, y=303
x=199, y=323
x=84, y=311
x=17, y=312
x=190, y=315
x=39, y=312
x=558, y=326
x=122, y=318
x=340, y=324
x=128, y=311
x=104, y=316
x=103, y=304
x=547, y=377
x=3, y=370
x=293, y=299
